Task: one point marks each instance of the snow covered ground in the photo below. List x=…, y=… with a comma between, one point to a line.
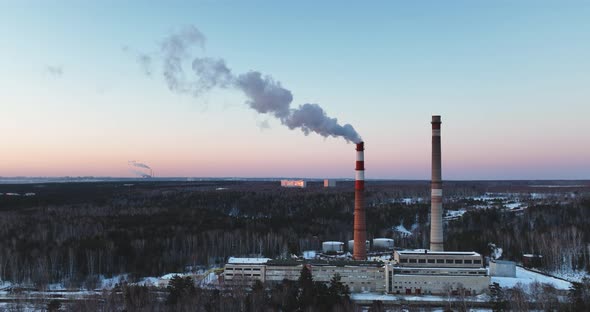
x=422, y=298
x=570, y=275
x=526, y=277
x=5, y=284
x=513, y=205
x=454, y=214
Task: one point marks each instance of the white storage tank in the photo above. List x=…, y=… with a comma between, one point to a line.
x=333, y=247
x=383, y=244
x=351, y=245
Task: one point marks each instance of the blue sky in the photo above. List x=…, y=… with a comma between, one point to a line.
x=509, y=78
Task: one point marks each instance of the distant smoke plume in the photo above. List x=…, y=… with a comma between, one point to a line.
x=55, y=71
x=264, y=94
x=138, y=164
x=134, y=163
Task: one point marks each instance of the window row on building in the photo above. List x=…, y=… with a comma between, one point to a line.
x=440, y=261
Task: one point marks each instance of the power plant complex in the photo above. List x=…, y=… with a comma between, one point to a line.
x=405, y=272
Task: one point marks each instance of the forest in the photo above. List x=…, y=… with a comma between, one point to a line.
x=74, y=233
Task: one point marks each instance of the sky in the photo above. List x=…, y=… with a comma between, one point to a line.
x=509, y=78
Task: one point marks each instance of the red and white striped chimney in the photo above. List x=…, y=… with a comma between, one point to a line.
x=360, y=225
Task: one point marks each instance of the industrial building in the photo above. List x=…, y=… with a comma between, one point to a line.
x=436, y=272
x=502, y=268
x=360, y=276
x=411, y=272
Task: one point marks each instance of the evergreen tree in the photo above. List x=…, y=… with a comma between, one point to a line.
x=497, y=298
x=306, y=289
x=53, y=305
x=339, y=290
x=178, y=288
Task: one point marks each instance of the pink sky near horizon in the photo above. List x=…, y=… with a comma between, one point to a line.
x=315, y=160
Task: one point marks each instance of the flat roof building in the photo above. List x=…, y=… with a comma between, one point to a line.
x=360, y=276
x=436, y=272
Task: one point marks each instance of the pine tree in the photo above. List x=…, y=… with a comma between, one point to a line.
x=306, y=289
x=497, y=298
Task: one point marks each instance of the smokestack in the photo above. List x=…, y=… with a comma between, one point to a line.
x=436, y=225
x=360, y=226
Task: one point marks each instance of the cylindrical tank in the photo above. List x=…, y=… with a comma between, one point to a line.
x=351, y=245
x=383, y=244
x=333, y=247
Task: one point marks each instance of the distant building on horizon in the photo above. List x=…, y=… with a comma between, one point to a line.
x=329, y=183
x=293, y=183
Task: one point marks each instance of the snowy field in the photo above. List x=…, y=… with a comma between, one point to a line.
x=526, y=277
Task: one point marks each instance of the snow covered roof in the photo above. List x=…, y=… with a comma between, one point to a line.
x=442, y=253
x=235, y=260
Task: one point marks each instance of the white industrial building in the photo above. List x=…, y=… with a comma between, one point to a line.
x=502, y=268
x=436, y=272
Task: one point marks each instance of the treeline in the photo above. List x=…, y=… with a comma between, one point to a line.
x=559, y=232
x=74, y=233
x=62, y=236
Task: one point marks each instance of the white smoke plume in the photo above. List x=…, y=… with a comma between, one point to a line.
x=174, y=50
x=264, y=94
x=495, y=251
